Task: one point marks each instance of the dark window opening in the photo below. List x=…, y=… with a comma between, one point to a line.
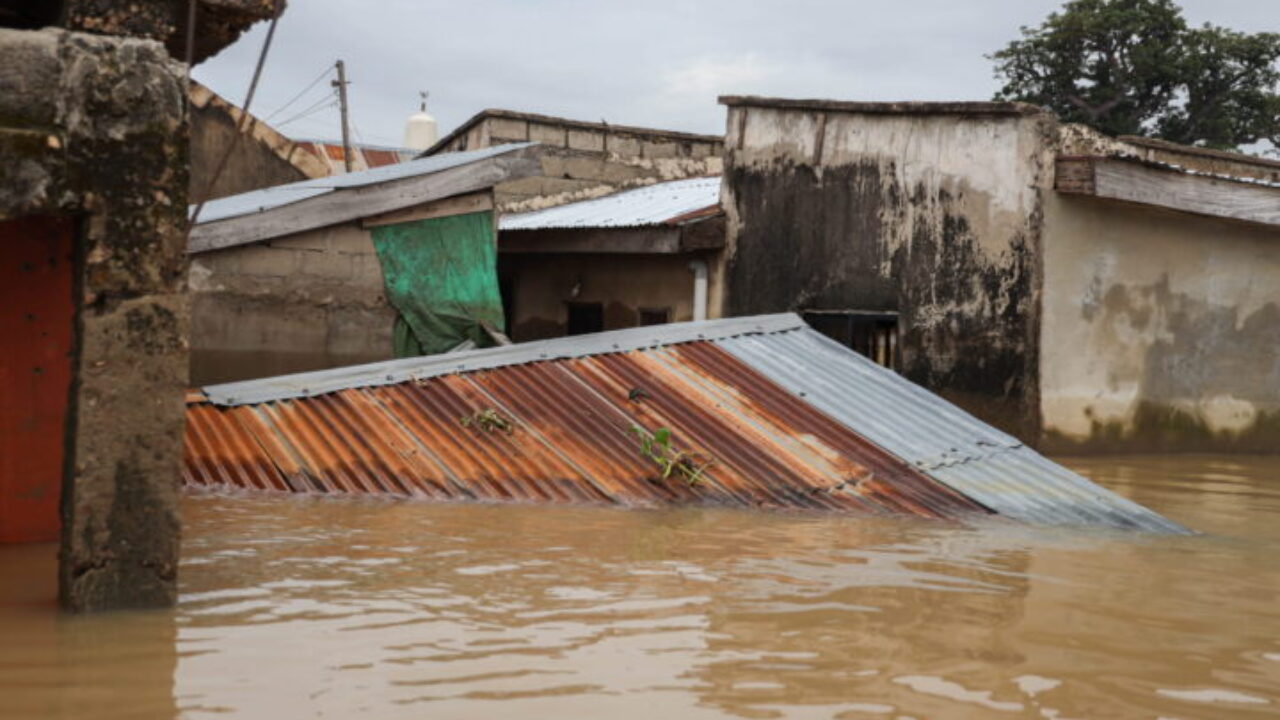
x=507, y=291
x=655, y=316
x=585, y=318
x=872, y=334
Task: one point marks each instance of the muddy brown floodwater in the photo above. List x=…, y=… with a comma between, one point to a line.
x=299, y=607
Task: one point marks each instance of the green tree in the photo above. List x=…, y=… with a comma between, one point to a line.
x=1133, y=67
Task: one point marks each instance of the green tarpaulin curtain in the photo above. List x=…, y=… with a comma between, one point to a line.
x=441, y=277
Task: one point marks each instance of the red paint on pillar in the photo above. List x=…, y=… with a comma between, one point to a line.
x=37, y=335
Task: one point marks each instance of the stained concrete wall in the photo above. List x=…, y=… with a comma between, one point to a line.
x=929, y=210
x=543, y=284
x=96, y=128
x=1161, y=330
x=303, y=302
x=584, y=160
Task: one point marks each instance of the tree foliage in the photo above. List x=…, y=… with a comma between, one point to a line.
x=1134, y=67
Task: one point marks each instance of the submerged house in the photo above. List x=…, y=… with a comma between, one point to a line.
x=646, y=256
x=759, y=412
x=1080, y=291
x=352, y=268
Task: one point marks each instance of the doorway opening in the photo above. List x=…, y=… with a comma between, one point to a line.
x=873, y=334
x=584, y=318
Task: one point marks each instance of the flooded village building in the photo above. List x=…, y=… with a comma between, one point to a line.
x=600, y=262
x=93, y=199
x=294, y=297
x=1080, y=291
x=291, y=278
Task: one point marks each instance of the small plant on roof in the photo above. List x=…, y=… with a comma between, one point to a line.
x=657, y=447
x=489, y=420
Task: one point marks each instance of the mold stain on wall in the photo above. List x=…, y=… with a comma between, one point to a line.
x=851, y=237
x=1189, y=375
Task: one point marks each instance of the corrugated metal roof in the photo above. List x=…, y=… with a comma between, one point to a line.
x=364, y=156
x=652, y=205
x=256, y=201
x=571, y=440
x=784, y=416
x=935, y=436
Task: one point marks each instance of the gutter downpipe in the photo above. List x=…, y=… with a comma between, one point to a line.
x=699, y=270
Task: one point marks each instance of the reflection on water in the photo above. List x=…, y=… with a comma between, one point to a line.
x=296, y=607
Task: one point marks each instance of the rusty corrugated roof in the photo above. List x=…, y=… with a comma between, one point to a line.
x=737, y=396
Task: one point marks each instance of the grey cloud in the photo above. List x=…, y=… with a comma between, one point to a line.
x=659, y=63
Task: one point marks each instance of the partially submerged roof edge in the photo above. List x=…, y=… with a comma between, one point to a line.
x=389, y=372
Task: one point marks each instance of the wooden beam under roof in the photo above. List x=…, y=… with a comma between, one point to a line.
x=1169, y=188
x=353, y=203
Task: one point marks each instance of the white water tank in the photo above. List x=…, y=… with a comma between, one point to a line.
x=421, y=132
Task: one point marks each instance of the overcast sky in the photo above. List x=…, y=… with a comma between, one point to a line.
x=656, y=63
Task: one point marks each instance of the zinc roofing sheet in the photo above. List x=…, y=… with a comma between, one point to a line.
x=256, y=201
x=938, y=438
x=779, y=415
x=570, y=439
x=651, y=205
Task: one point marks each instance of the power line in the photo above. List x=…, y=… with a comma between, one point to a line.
x=305, y=90
x=321, y=104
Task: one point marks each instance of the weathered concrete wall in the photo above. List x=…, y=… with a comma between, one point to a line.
x=304, y=302
x=261, y=158
x=1161, y=330
x=624, y=284
x=584, y=160
x=931, y=211
x=95, y=127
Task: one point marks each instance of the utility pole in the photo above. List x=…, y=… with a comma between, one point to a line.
x=341, y=84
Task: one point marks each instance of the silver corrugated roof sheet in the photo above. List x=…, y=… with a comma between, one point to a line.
x=942, y=441
x=651, y=205
x=256, y=201
x=937, y=437
x=396, y=371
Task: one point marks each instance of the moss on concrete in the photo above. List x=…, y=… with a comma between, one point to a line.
x=1161, y=428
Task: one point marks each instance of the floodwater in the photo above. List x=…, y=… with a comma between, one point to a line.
x=297, y=607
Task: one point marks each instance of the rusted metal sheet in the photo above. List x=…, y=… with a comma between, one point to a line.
x=571, y=440
x=37, y=322
x=784, y=417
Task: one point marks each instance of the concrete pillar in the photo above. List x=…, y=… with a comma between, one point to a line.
x=94, y=130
